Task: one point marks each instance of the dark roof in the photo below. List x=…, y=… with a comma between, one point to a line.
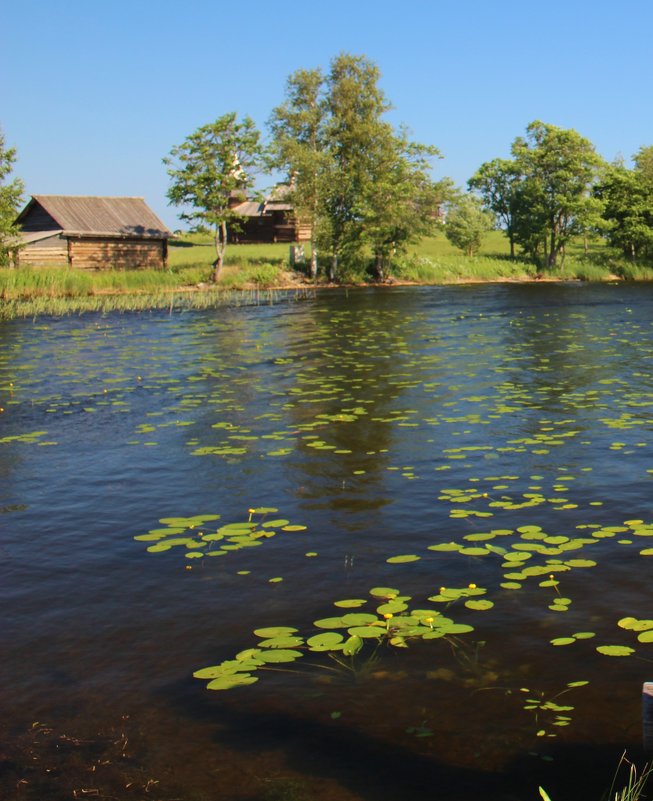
x=275, y=201
x=89, y=215
x=249, y=208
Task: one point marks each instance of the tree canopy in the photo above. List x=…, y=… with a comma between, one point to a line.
x=210, y=170
x=543, y=196
x=627, y=195
x=11, y=191
x=467, y=223
x=364, y=186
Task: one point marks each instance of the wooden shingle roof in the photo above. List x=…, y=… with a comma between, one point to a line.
x=92, y=216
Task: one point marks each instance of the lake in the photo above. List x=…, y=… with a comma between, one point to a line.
x=453, y=482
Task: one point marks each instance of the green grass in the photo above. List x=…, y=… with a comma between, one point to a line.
x=198, y=250
x=249, y=269
x=50, y=282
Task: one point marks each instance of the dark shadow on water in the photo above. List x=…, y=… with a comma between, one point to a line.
x=375, y=770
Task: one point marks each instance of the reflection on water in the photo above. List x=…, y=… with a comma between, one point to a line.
x=501, y=434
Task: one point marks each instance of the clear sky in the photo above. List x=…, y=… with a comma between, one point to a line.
x=94, y=94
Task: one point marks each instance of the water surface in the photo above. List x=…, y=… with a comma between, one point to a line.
x=385, y=422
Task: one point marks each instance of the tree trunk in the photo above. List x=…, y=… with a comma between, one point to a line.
x=512, y=246
x=379, y=267
x=220, y=247
x=551, y=260
x=333, y=267
x=313, y=267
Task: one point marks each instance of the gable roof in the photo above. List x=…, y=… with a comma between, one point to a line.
x=275, y=201
x=90, y=215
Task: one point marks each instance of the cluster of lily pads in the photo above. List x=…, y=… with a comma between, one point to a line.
x=644, y=629
x=547, y=710
x=393, y=622
x=31, y=437
x=192, y=533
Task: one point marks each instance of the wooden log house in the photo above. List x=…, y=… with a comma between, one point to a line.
x=271, y=220
x=91, y=233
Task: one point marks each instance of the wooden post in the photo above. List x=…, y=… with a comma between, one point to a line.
x=647, y=717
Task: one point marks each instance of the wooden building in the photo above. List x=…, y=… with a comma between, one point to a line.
x=91, y=233
x=272, y=220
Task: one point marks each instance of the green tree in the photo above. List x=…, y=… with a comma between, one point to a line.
x=355, y=136
x=628, y=209
x=11, y=192
x=467, y=223
x=208, y=170
x=362, y=185
x=644, y=163
x=498, y=184
x=298, y=147
x=405, y=202
x=558, y=168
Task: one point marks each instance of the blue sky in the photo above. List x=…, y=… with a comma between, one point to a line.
x=94, y=94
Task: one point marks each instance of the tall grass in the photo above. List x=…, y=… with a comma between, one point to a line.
x=51, y=282
x=173, y=302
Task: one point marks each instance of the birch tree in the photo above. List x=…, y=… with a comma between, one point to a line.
x=298, y=147
x=208, y=170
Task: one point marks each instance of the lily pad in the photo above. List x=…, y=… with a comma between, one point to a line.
x=279, y=655
x=234, y=680
x=275, y=631
x=615, y=650
x=350, y=603
x=402, y=559
x=328, y=641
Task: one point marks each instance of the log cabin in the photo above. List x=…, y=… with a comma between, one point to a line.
x=271, y=220
x=89, y=232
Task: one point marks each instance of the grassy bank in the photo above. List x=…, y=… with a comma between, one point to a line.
x=250, y=271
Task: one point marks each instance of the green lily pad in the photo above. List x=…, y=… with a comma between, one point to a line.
x=235, y=680
x=358, y=618
x=279, y=655
x=275, y=631
x=392, y=608
x=352, y=646
x=479, y=605
x=330, y=623
x=281, y=642
x=634, y=624
x=350, y=603
x=402, y=559
x=615, y=650
x=384, y=592
x=367, y=632
x=445, y=546
x=328, y=641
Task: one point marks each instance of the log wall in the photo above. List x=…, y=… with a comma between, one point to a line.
x=52, y=251
x=96, y=253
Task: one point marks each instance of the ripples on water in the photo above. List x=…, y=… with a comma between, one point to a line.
x=534, y=397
